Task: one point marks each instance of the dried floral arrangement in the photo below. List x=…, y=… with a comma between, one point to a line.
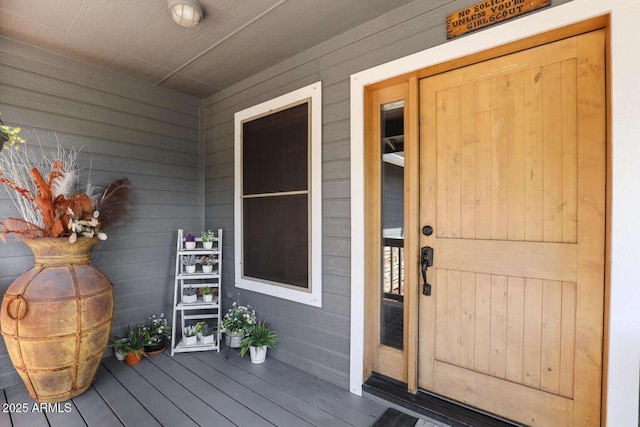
x=46, y=192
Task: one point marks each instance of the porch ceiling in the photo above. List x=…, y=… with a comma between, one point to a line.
x=235, y=39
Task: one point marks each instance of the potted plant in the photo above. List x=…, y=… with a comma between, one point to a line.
x=120, y=347
x=189, y=335
x=189, y=262
x=206, y=335
x=207, y=293
x=190, y=241
x=207, y=239
x=189, y=295
x=207, y=263
x=137, y=338
x=159, y=333
x=236, y=324
x=260, y=338
x=198, y=327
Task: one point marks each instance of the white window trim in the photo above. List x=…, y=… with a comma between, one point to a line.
x=313, y=296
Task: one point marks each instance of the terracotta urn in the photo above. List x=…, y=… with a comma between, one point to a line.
x=56, y=319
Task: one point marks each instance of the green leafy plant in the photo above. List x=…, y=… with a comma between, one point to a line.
x=208, y=236
x=138, y=338
x=135, y=341
x=239, y=319
x=121, y=345
x=260, y=334
x=200, y=326
x=207, y=290
x=206, y=331
x=9, y=137
x=189, y=291
x=203, y=328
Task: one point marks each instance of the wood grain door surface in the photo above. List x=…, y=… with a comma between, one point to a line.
x=512, y=179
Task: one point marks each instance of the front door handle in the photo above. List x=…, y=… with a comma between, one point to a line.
x=426, y=260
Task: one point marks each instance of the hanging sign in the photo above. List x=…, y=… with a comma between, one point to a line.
x=489, y=12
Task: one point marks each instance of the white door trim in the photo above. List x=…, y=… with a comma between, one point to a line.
x=624, y=318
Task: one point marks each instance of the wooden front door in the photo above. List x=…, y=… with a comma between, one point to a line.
x=512, y=180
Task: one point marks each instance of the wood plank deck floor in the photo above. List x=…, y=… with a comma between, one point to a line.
x=197, y=389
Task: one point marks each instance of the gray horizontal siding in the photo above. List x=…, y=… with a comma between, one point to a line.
x=61, y=68
x=124, y=128
x=151, y=135
x=313, y=339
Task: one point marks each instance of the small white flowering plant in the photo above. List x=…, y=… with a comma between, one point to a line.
x=239, y=320
x=159, y=330
x=208, y=236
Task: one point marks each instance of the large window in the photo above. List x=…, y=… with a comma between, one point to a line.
x=277, y=197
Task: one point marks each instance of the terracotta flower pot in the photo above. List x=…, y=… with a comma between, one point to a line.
x=133, y=358
x=56, y=319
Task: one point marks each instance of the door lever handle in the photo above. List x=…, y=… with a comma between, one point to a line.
x=426, y=261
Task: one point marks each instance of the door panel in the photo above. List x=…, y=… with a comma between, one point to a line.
x=512, y=179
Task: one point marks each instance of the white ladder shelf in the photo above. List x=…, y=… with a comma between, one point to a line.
x=187, y=313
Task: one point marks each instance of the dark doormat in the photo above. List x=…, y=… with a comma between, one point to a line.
x=432, y=406
x=394, y=418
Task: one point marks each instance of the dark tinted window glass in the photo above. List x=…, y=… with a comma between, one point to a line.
x=275, y=239
x=392, y=165
x=275, y=151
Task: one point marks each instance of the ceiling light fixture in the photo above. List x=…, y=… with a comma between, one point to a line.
x=186, y=12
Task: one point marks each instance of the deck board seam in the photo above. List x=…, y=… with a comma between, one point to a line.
x=319, y=393
x=273, y=401
x=130, y=394
x=217, y=386
x=174, y=360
